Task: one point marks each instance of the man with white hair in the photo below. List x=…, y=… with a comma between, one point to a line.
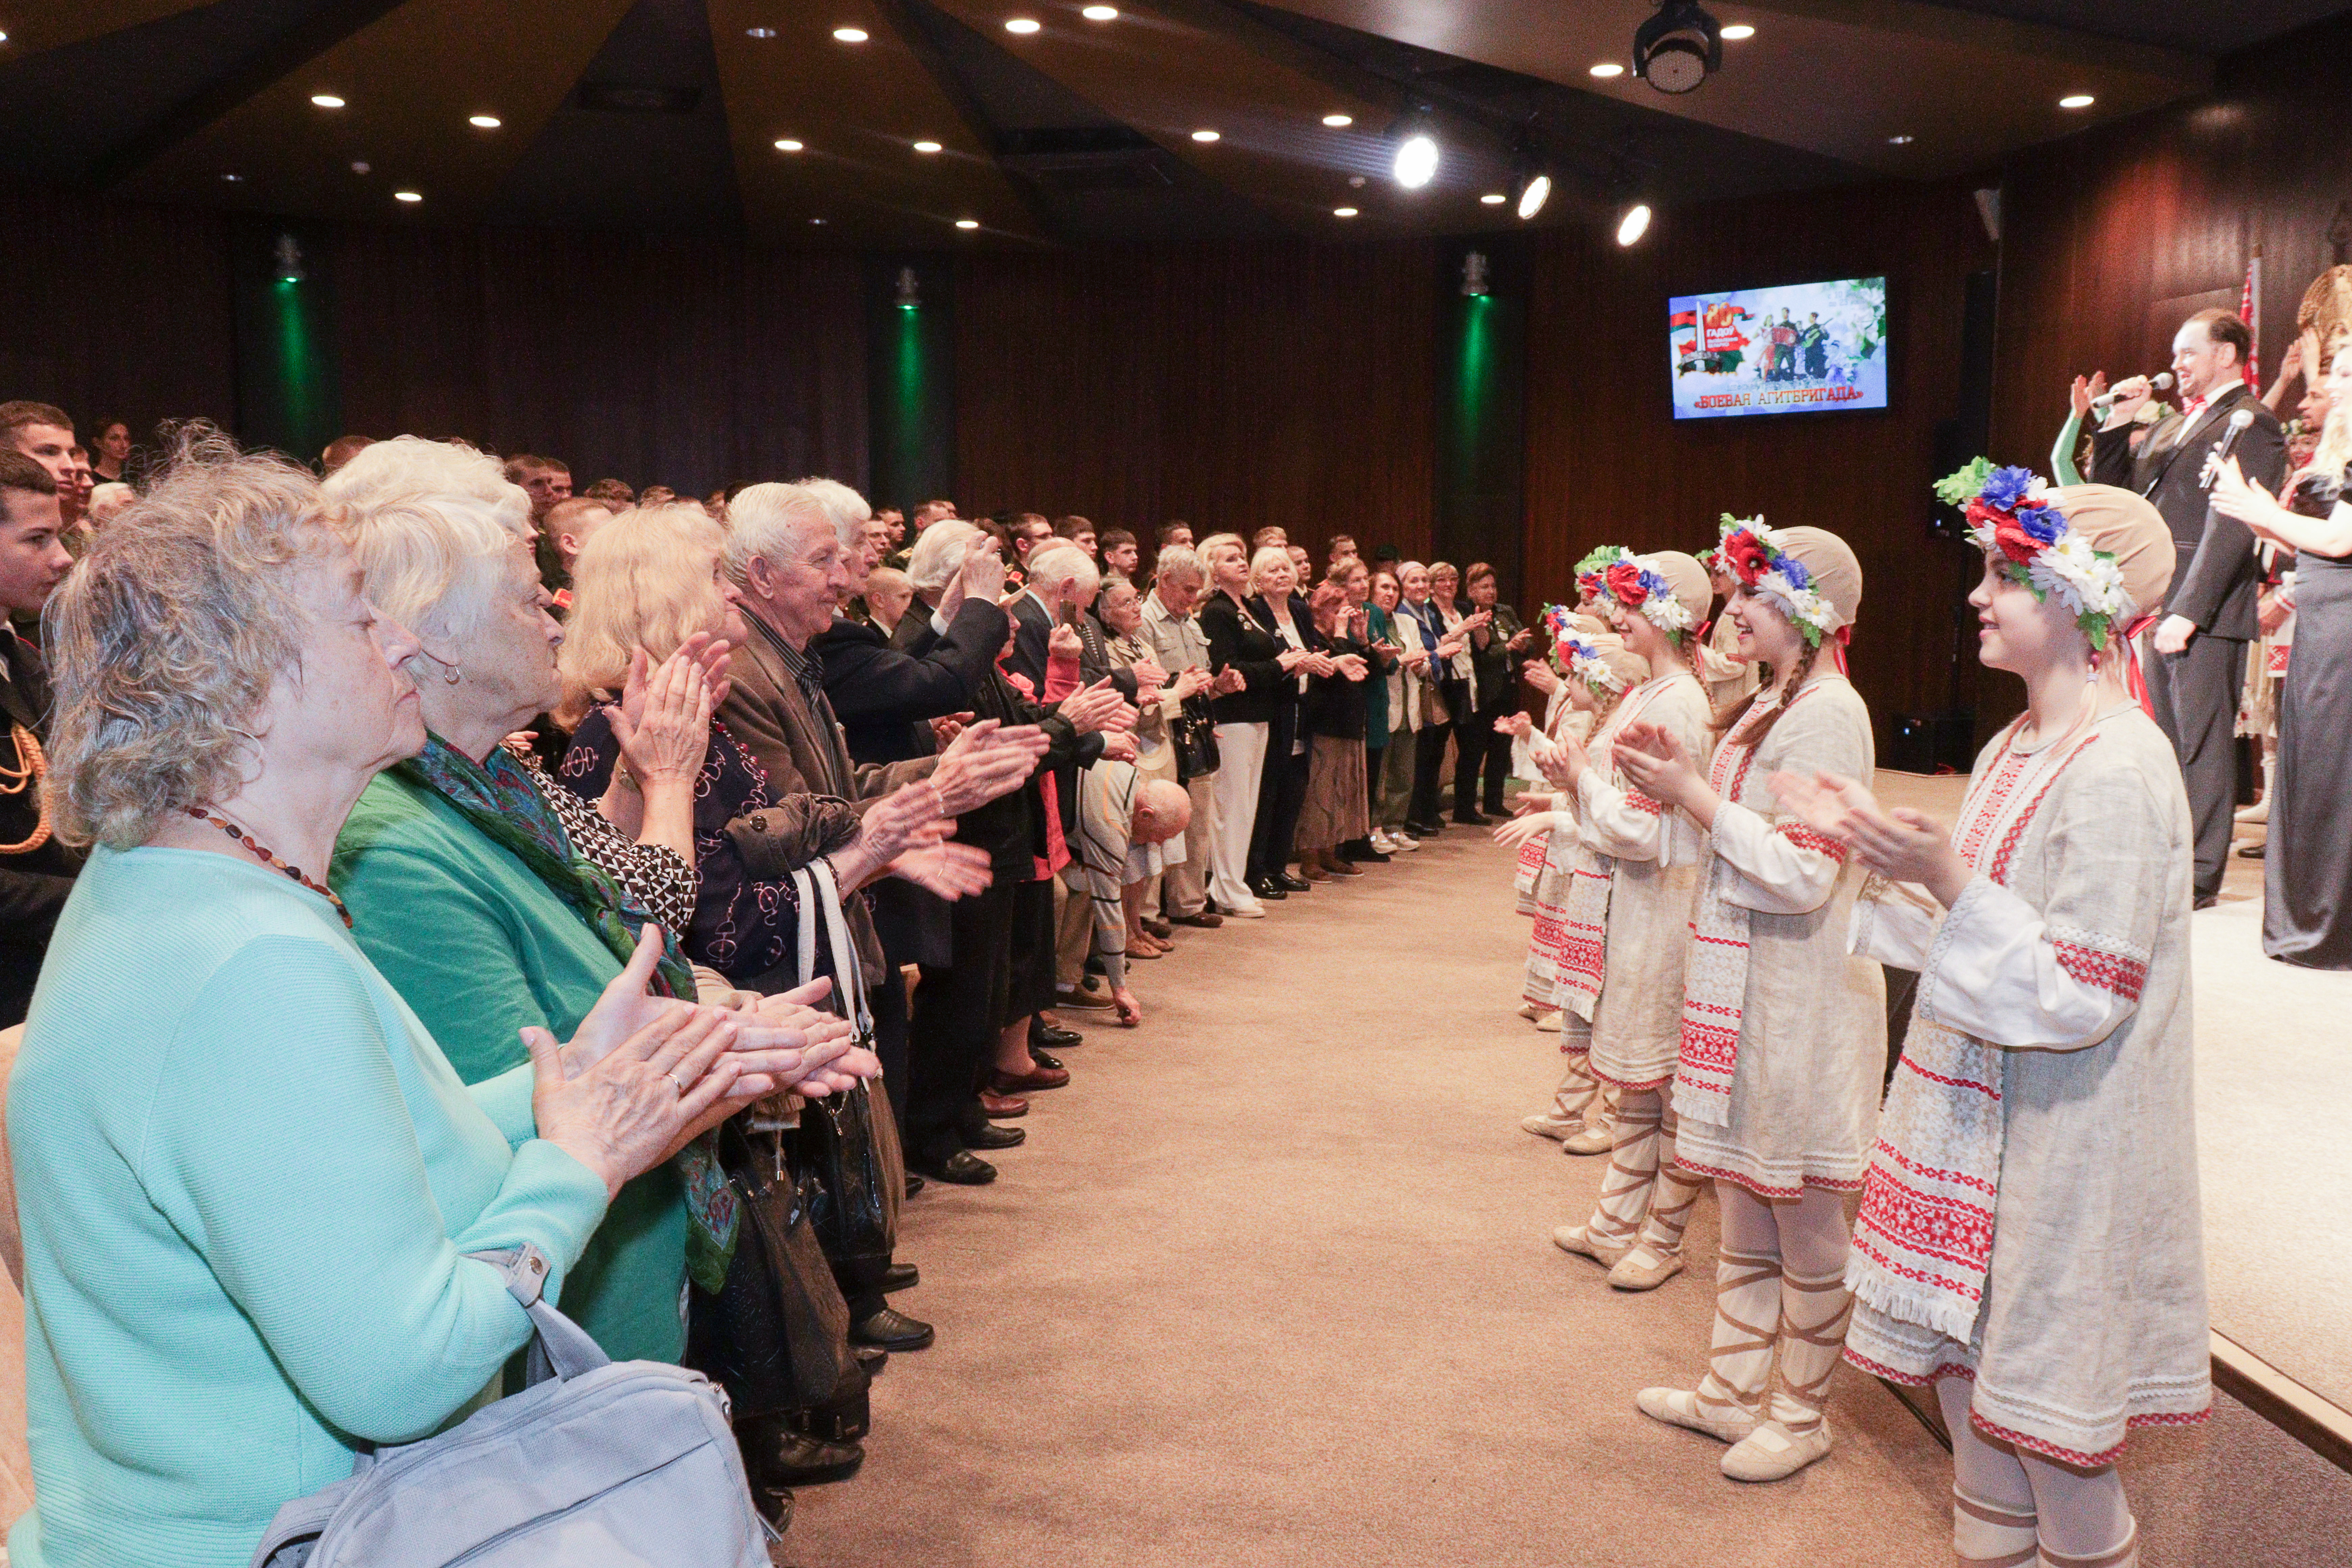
x=1178, y=643
x=1064, y=581
x=1121, y=812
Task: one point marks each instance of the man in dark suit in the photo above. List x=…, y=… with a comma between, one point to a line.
x=1063, y=580
x=36, y=872
x=2198, y=650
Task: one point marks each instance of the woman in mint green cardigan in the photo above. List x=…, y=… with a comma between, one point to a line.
x=464, y=869
x=246, y=1175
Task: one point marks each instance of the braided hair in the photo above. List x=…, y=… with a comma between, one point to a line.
x=1798, y=673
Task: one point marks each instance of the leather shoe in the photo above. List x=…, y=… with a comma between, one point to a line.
x=915, y=1184
x=775, y=1506
x=963, y=1169
x=2206, y=901
x=1424, y=829
x=1045, y=1060
x=1472, y=819
x=1361, y=850
x=871, y=1360
x=1029, y=1082
x=1084, y=1000
x=1159, y=929
x=900, y=1277
x=1294, y=884
x=1047, y=1035
x=1268, y=888
x=779, y=1457
x=1206, y=920
x=983, y=1134
x=892, y=1329
x=1002, y=1107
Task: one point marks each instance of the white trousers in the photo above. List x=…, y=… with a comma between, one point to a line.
x=1241, y=759
x=1187, y=879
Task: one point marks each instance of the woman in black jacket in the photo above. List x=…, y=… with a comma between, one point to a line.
x=1239, y=640
x=1338, y=809
x=1275, y=605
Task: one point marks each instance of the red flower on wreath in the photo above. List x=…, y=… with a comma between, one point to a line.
x=2007, y=532
x=1746, y=554
x=1625, y=585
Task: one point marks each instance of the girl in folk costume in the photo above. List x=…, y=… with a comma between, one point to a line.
x=1783, y=1031
x=2028, y=1237
x=1728, y=674
x=1600, y=672
x=1624, y=925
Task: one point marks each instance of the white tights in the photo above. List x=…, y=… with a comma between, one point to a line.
x=1809, y=1236
x=2078, y=1514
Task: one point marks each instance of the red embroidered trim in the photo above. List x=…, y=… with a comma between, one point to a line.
x=1636, y=800
x=1759, y=1189
x=1804, y=837
x=2077, y=1458
x=1952, y=1082
x=1916, y=1276
x=1634, y=1088
x=1950, y=1230
x=2107, y=971
x=2000, y=871
x=1982, y=811
x=1909, y=1380
x=1931, y=1174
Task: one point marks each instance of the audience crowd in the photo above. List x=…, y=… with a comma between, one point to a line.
x=596, y=848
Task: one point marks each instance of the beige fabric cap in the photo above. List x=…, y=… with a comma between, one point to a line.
x=1830, y=562
x=1687, y=578
x=2127, y=527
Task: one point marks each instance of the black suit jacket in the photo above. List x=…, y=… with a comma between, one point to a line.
x=1237, y=641
x=1094, y=655
x=2215, y=577
x=883, y=694
x=32, y=887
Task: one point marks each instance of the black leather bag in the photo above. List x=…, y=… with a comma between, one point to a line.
x=1194, y=733
x=849, y=1147
x=776, y=1336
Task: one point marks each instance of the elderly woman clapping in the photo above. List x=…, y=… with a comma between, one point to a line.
x=247, y=1173
x=465, y=879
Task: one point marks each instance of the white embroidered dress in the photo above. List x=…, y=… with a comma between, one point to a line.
x=2030, y=1218
x=1788, y=1097
x=1629, y=918
x=1556, y=855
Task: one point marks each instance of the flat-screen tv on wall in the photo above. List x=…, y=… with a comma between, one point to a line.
x=1803, y=348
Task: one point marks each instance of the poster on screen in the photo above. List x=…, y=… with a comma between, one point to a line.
x=1803, y=348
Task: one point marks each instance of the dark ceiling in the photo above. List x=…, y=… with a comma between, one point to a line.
x=672, y=114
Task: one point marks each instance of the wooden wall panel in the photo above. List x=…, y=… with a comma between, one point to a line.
x=1608, y=463
x=1232, y=385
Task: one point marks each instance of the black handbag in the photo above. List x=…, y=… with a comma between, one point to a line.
x=848, y=1147
x=1194, y=733
x=776, y=1336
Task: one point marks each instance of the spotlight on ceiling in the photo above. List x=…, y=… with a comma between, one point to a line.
x=1493, y=198
x=1633, y=224
x=1904, y=140
x=1204, y=135
x=1339, y=121
x=1343, y=212
x=926, y=147
x=1474, y=276
x=1739, y=31
x=483, y=122
x=234, y=179
x=910, y=294
x=411, y=198
x=788, y=144
x=1533, y=194
x=1100, y=13
x=1417, y=156
x=1023, y=25
x=1606, y=70
x=846, y=36
x=2076, y=100
x=325, y=100
x=1677, y=49
x=967, y=223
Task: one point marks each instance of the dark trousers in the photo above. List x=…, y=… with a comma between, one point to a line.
x=1428, y=762
x=1281, y=795
x=2196, y=697
x=953, y=1036
x=1372, y=755
x=1481, y=750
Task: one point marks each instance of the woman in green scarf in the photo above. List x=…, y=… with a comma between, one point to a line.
x=469, y=889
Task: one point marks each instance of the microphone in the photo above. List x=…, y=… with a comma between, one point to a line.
x=2239, y=422
x=2159, y=381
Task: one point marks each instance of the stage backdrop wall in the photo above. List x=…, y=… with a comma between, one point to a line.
x=1608, y=463
x=1232, y=385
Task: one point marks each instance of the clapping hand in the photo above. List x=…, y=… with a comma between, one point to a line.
x=1519, y=829
x=640, y=1101
x=662, y=722
x=1903, y=845
x=1561, y=762
x=950, y=870
x=1652, y=759
x=946, y=727
x=984, y=762
x=1352, y=666
x=1149, y=676
x=2085, y=391
x=1092, y=707
x=1520, y=638
x=1190, y=683
x=1515, y=725
x=1119, y=747
x=1228, y=680
x=2236, y=496
x=1543, y=676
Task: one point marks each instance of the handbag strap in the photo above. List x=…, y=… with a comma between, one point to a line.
x=820, y=893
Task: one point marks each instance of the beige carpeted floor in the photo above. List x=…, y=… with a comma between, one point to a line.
x=1271, y=1284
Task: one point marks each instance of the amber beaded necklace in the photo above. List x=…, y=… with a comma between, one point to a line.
x=271, y=855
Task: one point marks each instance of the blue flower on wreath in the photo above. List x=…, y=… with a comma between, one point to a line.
x=1791, y=568
x=2042, y=524
x=2004, y=487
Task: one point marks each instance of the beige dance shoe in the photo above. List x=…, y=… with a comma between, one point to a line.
x=1774, y=1453
x=1589, y=1141
x=1530, y=1012
x=1548, y=1022
x=1551, y=1124
x=1644, y=1270
x=1681, y=1407
x=1575, y=1239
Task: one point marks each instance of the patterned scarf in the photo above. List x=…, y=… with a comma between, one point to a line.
x=1923, y=1239
x=505, y=806
x=1583, y=941
x=1715, y=977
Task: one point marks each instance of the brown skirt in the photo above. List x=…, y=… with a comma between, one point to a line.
x=1336, y=811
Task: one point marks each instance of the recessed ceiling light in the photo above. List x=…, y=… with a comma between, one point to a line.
x=1024, y=25
x=1343, y=212
x=483, y=122
x=845, y=36
x=234, y=179
x=1737, y=31
x=1900, y=141
x=1634, y=224
x=1339, y=121
x=1204, y=136
x=1608, y=68
x=1493, y=198
x=788, y=145
x=1100, y=13
x=1416, y=161
x=759, y=32
x=325, y=100
x=818, y=221
x=926, y=147
x=3, y=38
x=2077, y=101
x=406, y=196
x=967, y=223
x=362, y=167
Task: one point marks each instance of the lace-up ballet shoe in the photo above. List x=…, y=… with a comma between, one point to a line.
x=1550, y=1023
x=1680, y=1407
x=1589, y=1141
x=1577, y=1239
x=1987, y=1535
x=1774, y=1453
x=1529, y=1010
x=1549, y=1125
x=1643, y=1270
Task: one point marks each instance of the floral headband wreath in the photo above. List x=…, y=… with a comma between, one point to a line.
x=2028, y=537
x=1758, y=557
x=1633, y=583
x=1579, y=657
